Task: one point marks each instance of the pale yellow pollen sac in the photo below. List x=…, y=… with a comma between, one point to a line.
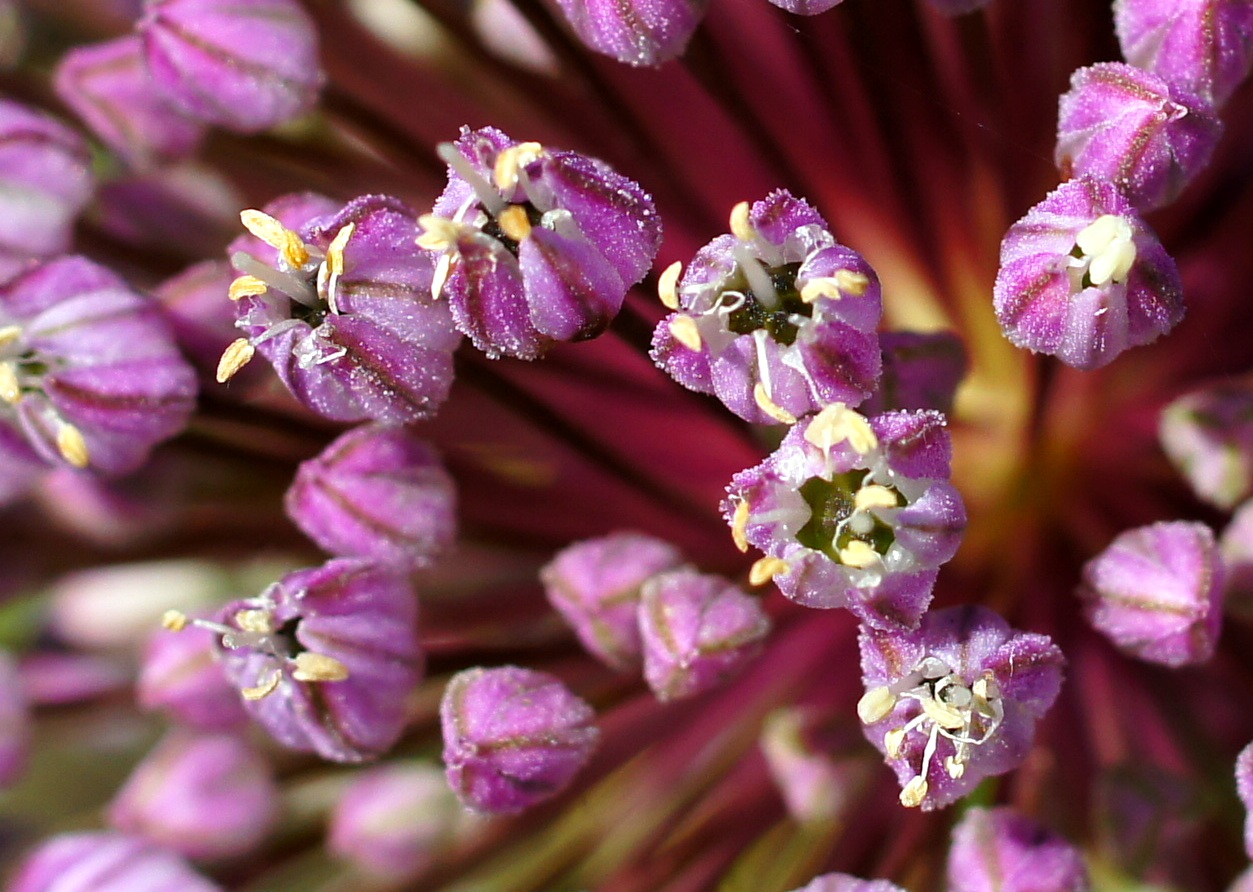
x=739, y=526
x=246, y=286
x=686, y=332
x=741, y=226
x=277, y=236
x=770, y=407
x=1109, y=248
x=892, y=742
x=10, y=386
x=954, y=767
x=174, y=620
x=9, y=334
x=312, y=666
x=852, y=282
x=766, y=568
x=874, y=496
x=668, y=285
x=514, y=223
x=512, y=160
x=914, y=792
x=264, y=689
x=875, y=705
x=72, y=446
x=944, y=715
x=837, y=423
x=859, y=554
x=986, y=688
x=335, y=250
x=819, y=287
x=237, y=355
x=438, y=233
x=254, y=621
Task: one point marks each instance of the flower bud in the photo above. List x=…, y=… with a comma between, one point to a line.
x=105, y=862
x=920, y=371
x=379, y=493
x=57, y=678
x=1208, y=436
x=108, y=87
x=243, y=66
x=697, y=631
x=513, y=737
x=843, y=882
x=817, y=766
x=203, y=322
x=595, y=585
x=1147, y=136
x=203, y=796
x=1156, y=593
x=1083, y=278
x=181, y=676
x=999, y=850
x=392, y=820
x=638, y=32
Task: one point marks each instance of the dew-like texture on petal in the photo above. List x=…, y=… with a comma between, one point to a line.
x=595, y=586
x=106, y=862
x=1128, y=126
x=1000, y=850
x=513, y=737
x=697, y=631
x=638, y=32
x=246, y=65
x=108, y=86
x=1204, y=46
x=1045, y=299
x=1156, y=592
x=376, y=492
x=843, y=882
x=1208, y=436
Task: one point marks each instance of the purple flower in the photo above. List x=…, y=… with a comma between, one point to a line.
x=339, y=303
x=595, y=585
x=106, y=862
x=1204, y=46
x=88, y=368
x=697, y=631
x=817, y=766
x=920, y=371
x=1208, y=436
x=512, y=737
x=537, y=245
x=376, y=492
x=1156, y=592
x=776, y=319
x=203, y=796
x=181, y=676
x=243, y=66
x=14, y=723
x=638, y=32
x=45, y=180
x=853, y=512
x=1126, y=125
x=325, y=657
x=955, y=701
x=108, y=87
x=843, y=882
x=999, y=850
x=1083, y=278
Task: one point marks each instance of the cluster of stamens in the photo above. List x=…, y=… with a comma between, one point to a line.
x=1104, y=252
x=968, y=714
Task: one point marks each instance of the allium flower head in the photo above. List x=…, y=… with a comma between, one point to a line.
x=853, y=512
x=325, y=657
x=88, y=369
x=339, y=302
x=106, y=862
x=1156, y=592
x=244, y=66
x=955, y=701
x=1208, y=436
x=513, y=737
x=638, y=32
x=1083, y=277
x=536, y=245
x=1129, y=126
x=776, y=319
x=1000, y=850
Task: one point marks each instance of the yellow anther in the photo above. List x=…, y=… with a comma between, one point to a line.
x=986, y=688
x=874, y=496
x=513, y=159
x=766, y=568
x=852, y=282
x=254, y=621
x=837, y=423
x=9, y=334
x=892, y=742
x=514, y=223
x=739, y=526
x=439, y=233
x=816, y=288
x=234, y=358
x=914, y=792
x=859, y=554
x=686, y=332
x=954, y=768
x=174, y=620
x=264, y=689
x=246, y=286
x=668, y=285
x=335, y=250
x=741, y=228
x=770, y=407
x=875, y=705
x=943, y=715
x=312, y=666
x=72, y=446
x=10, y=387
x=277, y=236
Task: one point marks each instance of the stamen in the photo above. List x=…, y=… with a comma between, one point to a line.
x=443, y=268
x=511, y=161
x=514, y=223
x=874, y=496
x=72, y=446
x=845, y=281
x=914, y=792
x=1109, y=250
x=766, y=568
x=295, y=288
x=264, y=689
x=237, y=355
x=174, y=620
x=335, y=250
x=483, y=190
x=686, y=332
x=767, y=405
x=246, y=286
x=875, y=705
x=758, y=280
x=741, y=228
x=254, y=621
x=739, y=525
x=312, y=666
x=10, y=387
x=837, y=423
x=277, y=236
x=668, y=285
x=859, y=554
x=9, y=334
